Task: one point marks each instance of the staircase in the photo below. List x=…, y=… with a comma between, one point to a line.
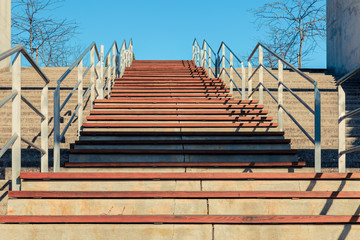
x=171, y=111
x=170, y=155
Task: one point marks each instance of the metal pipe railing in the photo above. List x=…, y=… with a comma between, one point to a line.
x=342, y=151
x=17, y=97
x=281, y=85
x=96, y=88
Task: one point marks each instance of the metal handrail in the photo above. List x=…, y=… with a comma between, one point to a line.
x=96, y=87
x=17, y=98
x=226, y=46
x=342, y=151
x=295, y=69
x=317, y=97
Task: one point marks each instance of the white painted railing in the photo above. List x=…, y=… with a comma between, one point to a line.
x=16, y=97
x=105, y=76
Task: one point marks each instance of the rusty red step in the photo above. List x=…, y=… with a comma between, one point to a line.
x=190, y=176
x=175, y=100
x=184, y=106
x=170, y=94
x=176, y=118
x=188, y=164
x=181, y=112
x=185, y=194
x=180, y=125
x=146, y=91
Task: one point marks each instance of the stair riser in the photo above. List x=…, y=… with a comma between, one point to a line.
x=182, y=206
x=179, y=158
x=188, y=185
x=191, y=147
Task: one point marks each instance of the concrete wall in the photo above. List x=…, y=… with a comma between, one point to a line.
x=343, y=35
x=5, y=32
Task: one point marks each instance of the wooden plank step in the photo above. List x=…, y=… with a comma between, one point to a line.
x=190, y=176
x=171, y=87
x=152, y=83
x=167, y=142
x=169, y=91
x=176, y=118
x=186, y=164
x=175, y=100
x=135, y=133
x=181, y=112
x=185, y=194
x=184, y=219
x=178, y=125
x=185, y=106
x=170, y=94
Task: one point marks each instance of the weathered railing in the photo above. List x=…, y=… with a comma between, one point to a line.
x=97, y=87
x=316, y=140
x=16, y=97
x=222, y=61
x=342, y=151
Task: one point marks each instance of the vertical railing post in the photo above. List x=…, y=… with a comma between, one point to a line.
x=198, y=55
x=280, y=95
x=16, y=123
x=44, y=128
x=201, y=58
x=209, y=61
x=101, y=80
x=193, y=52
x=80, y=96
x=205, y=55
x=108, y=75
x=243, y=83
x=342, y=130
x=223, y=59
x=250, y=79
x=261, y=75
x=57, y=129
x=217, y=66
x=231, y=73
x=317, y=129
x=92, y=77
x=114, y=67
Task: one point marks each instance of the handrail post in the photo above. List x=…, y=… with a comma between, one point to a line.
x=108, y=75
x=92, y=77
x=205, y=56
x=209, y=55
x=280, y=95
x=201, y=58
x=249, y=79
x=342, y=130
x=80, y=96
x=217, y=66
x=317, y=129
x=114, y=67
x=101, y=77
x=243, y=84
x=16, y=123
x=261, y=75
x=57, y=139
x=44, y=128
x=193, y=52
x=223, y=56
x=198, y=55
x=231, y=74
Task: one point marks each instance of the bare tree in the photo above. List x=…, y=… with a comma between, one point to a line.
x=36, y=28
x=293, y=26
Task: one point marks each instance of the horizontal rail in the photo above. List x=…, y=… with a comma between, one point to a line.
x=352, y=113
x=33, y=145
x=222, y=43
x=66, y=73
x=309, y=79
x=87, y=91
x=8, y=144
x=20, y=48
x=38, y=112
x=350, y=150
x=69, y=123
x=8, y=98
x=208, y=45
x=69, y=96
x=348, y=75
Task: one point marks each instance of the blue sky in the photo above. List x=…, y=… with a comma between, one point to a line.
x=165, y=29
